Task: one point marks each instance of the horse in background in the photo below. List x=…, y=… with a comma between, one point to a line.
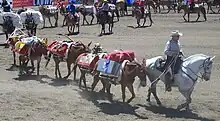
x=47, y=14
x=7, y=26
x=187, y=10
x=30, y=25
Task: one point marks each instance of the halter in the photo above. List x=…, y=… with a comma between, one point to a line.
x=203, y=66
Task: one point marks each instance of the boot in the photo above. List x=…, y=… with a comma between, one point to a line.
x=168, y=81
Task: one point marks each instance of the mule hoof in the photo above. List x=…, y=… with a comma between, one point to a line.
x=159, y=103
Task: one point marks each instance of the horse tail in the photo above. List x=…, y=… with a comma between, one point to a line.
x=48, y=59
x=204, y=12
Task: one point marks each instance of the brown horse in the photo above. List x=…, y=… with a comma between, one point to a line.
x=169, y=3
x=35, y=52
x=129, y=72
x=139, y=15
x=74, y=52
x=47, y=14
x=197, y=10
x=72, y=22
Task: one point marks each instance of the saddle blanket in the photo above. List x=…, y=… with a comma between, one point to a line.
x=21, y=48
x=90, y=9
x=14, y=17
x=52, y=9
x=26, y=44
x=120, y=56
x=87, y=60
x=37, y=16
x=61, y=48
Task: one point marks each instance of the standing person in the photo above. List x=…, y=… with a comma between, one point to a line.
x=172, y=52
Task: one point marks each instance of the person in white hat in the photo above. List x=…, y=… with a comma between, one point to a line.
x=172, y=52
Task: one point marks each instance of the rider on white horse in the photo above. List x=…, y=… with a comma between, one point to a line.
x=172, y=52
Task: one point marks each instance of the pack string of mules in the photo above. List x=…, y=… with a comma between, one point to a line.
x=118, y=67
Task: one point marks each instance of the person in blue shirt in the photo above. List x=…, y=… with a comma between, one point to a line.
x=71, y=8
x=172, y=52
x=6, y=6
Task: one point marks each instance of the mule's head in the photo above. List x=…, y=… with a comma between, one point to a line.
x=207, y=68
x=29, y=21
x=40, y=48
x=139, y=71
x=142, y=73
x=86, y=48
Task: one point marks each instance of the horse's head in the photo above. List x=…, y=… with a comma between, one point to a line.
x=207, y=68
x=8, y=24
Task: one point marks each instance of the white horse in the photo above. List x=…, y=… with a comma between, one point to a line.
x=186, y=77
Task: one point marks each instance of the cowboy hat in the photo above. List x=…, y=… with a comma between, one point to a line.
x=176, y=33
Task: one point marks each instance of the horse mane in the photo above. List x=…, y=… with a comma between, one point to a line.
x=195, y=56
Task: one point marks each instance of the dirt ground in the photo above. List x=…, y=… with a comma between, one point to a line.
x=42, y=99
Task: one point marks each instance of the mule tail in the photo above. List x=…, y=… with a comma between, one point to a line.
x=48, y=59
x=204, y=13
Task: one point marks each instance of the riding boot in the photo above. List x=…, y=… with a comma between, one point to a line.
x=168, y=81
x=142, y=11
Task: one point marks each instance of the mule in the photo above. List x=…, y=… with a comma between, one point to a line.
x=137, y=13
x=30, y=25
x=34, y=53
x=72, y=22
x=84, y=70
x=87, y=11
x=7, y=26
x=185, y=79
x=129, y=71
x=197, y=10
x=47, y=14
x=106, y=18
x=73, y=53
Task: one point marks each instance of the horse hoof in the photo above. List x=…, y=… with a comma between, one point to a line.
x=179, y=107
x=148, y=100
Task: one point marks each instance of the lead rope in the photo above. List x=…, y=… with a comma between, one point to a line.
x=165, y=70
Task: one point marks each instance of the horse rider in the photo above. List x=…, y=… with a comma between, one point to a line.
x=142, y=7
x=172, y=52
x=6, y=6
x=140, y=4
x=71, y=9
x=105, y=7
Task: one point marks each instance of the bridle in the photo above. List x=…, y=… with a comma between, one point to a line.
x=204, y=66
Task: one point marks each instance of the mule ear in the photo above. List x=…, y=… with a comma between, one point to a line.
x=144, y=62
x=211, y=59
x=89, y=43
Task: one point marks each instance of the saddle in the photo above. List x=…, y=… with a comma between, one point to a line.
x=160, y=65
x=193, y=6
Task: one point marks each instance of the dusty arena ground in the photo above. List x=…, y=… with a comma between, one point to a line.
x=42, y=99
